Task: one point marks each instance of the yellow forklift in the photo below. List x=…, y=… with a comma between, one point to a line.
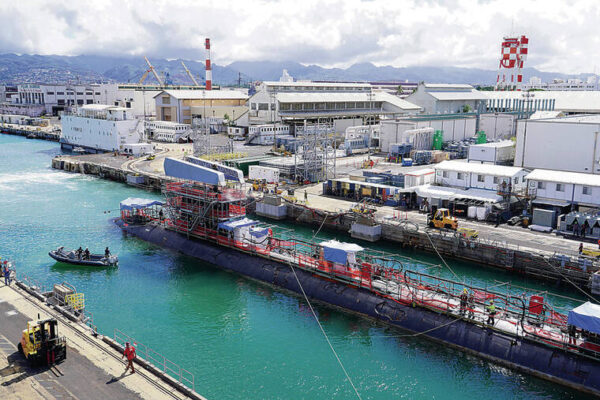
x=41, y=345
x=442, y=219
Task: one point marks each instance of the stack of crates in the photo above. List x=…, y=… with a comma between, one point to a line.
x=421, y=157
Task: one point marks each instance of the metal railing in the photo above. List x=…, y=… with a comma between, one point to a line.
x=156, y=359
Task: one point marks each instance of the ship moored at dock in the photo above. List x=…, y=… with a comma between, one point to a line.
x=525, y=332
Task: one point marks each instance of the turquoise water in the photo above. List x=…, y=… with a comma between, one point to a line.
x=239, y=338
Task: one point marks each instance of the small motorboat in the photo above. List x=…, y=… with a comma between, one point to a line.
x=79, y=150
x=71, y=257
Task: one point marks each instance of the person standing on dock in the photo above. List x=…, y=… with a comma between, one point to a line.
x=130, y=354
x=491, y=309
x=580, y=248
x=471, y=305
x=6, y=273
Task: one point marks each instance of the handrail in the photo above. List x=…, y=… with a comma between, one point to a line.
x=156, y=359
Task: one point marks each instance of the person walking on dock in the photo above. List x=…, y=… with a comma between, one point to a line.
x=130, y=354
x=580, y=248
x=463, y=301
x=6, y=273
x=491, y=309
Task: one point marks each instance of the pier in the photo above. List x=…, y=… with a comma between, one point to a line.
x=34, y=132
x=93, y=368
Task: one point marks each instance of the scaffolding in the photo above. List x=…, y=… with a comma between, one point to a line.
x=197, y=209
x=202, y=144
x=315, y=155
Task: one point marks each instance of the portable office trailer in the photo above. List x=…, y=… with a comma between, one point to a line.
x=271, y=175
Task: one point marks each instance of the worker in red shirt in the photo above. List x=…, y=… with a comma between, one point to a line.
x=130, y=353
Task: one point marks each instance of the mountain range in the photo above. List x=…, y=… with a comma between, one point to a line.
x=90, y=68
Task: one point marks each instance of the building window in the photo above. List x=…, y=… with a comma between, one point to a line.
x=89, y=101
x=586, y=190
x=51, y=93
x=60, y=93
x=496, y=180
x=79, y=93
x=541, y=185
x=560, y=187
x=480, y=178
x=166, y=99
x=80, y=102
x=263, y=106
x=516, y=180
x=460, y=176
x=97, y=93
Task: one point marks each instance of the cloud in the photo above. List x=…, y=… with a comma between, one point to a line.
x=465, y=33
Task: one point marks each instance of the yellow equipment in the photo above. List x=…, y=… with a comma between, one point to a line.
x=151, y=157
x=41, y=345
x=468, y=233
x=442, y=219
x=591, y=253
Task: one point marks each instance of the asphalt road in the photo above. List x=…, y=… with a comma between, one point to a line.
x=76, y=378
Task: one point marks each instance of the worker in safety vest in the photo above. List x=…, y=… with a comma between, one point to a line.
x=463, y=301
x=491, y=309
x=130, y=354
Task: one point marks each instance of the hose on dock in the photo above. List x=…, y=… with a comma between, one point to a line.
x=442, y=258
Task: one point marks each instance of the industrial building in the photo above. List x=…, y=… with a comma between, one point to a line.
x=99, y=127
x=491, y=177
x=51, y=99
x=454, y=127
x=442, y=98
x=573, y=84
x=502, y=153
x=296, y=102
x=562, y=144
x=165, y=131
x=563, y=189
x=184, y=105
x=575, y=102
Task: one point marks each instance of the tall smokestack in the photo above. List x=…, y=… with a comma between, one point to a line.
x=208, y=67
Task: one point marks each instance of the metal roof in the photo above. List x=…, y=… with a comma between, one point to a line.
x=344, y=97
x=471, y=95
x=450, y=193
x=448, y=86
x=316, y=84
x=477, y=168
x=576, y=178
x=576, y=101
x=205, y=94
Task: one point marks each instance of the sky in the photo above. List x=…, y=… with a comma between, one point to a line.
x=400, y=33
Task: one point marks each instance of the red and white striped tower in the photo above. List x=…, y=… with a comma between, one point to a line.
x=208, y=67
x=513, y=52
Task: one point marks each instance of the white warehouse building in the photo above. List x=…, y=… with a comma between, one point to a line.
x=563, y=144
x=97, y=128
x=561, y=189
x=442, y=98
x=492, y=177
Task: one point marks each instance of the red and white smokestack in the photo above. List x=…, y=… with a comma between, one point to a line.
x=208, y=67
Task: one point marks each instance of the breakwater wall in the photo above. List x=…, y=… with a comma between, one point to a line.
x=33, y=132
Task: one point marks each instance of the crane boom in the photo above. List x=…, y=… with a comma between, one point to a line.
x=151, y=68
x=190, y=74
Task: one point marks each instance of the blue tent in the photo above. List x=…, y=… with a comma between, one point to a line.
x=337, y=252
x=134, y=203
x=586, y=316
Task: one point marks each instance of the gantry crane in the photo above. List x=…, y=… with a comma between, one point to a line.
x=190, y=74
x=150, y=68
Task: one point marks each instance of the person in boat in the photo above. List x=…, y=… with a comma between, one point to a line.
x=463, y=301
x=161, y=215
x=79, y=252
x=106, y=252
x=86, y=254
x=491, y=309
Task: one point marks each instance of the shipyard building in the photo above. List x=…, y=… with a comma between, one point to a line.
x=324, y=102
x=183, y=106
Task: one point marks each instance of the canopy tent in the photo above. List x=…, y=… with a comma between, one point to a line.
x=236, y=223
x=186, y=170
x=135, y=203
x=338, y=252
x=586, y=316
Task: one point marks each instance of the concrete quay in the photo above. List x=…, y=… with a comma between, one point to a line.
x=93, y=368
x=36, y=132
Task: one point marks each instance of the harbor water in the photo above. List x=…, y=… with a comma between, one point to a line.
x=240, y=338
